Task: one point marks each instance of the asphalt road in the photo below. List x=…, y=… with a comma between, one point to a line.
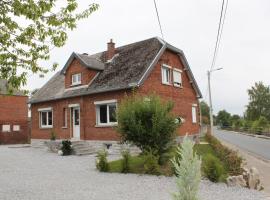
x=258, y=146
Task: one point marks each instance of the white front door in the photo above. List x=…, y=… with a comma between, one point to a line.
x=76, y=122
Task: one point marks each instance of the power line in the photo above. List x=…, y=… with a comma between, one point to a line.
x=159, y=20
x=220, y=30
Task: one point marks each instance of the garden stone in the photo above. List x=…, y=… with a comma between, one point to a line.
x=254, y=179
x=60, y=152
x=236, y=181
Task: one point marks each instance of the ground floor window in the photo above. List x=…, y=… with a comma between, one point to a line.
x=106, y=112
x=64, y=117
x=46, y=118
x=194, y=114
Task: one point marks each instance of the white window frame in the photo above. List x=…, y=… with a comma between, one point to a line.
x=77, y=80
x=6, y=128
x=107, y=103
x=179, y=72
x=164, y=69
x=16, y=128
x=46, y=110
x=194, y=113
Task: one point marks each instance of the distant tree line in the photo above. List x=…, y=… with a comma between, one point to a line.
x=256, y=118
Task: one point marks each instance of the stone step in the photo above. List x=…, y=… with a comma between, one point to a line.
x=85, y=152
x=83, y=149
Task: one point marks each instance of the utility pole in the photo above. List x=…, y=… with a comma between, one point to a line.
x=210, y=99
x=210, y=103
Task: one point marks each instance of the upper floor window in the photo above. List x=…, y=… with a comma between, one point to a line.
x=177, y=79
x=76, y=79
x=166, y=74
x=194, y=113
x=106, y=112
x=45, y=118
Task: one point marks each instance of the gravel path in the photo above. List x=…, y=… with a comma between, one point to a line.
x=35, y=174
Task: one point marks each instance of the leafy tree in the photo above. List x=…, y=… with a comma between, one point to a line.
x=258, y=126
x=146, y=122
x=223, y=118
x=205, y=112
x=259, y=102
x=29, y=29
x=187, y=166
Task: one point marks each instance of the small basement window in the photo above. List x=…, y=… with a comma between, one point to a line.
x=106, y=113
x=177, y=78
x=166, y=74
x=76, y=79
x=16, y=127
x=46, y=119
x=5, y=128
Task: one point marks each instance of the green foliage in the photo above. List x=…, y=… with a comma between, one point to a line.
x=187, y=165
x=205, y=112
x=230, y=158
x=28, y=32
x=259, y=102
x=102, y=162
x=146, y=122
x=126, y=161
x=223, y=118
x=212, y=168
x=66, y=147
x=53, y=135
x=151, y=163
x=258, y=126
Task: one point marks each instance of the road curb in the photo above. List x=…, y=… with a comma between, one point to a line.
x=251, y=135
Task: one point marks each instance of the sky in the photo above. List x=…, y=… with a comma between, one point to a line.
x=190, y=25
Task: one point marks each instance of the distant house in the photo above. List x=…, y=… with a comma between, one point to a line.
x=80, y=100
x=13, y=116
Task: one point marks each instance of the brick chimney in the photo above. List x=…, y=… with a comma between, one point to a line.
x=110, y=50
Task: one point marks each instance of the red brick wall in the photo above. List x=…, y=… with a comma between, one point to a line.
x=183, y=98
x=14, y=111
x=76, y=67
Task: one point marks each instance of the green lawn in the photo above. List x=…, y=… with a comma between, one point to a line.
x=137, y=162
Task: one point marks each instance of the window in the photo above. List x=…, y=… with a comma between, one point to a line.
x=46, y=119
x=16, y=127
x=194, y=114
x=76, y=79
x=64, y=117
x=106, y=112
x=6, y=128
x=177, y=79
x=166, y=74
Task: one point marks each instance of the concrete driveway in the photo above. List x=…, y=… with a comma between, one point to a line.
x=35, y=174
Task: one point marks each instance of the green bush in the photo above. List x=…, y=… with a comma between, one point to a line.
x=259, y=125
x=126, y=161
x=151, y=163
x=146, y=122
x=230, y=158
x=212, y=168
x=102, y=162
x=66, y=147
x=53, y=135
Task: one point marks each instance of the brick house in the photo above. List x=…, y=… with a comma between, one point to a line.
x=80, y=100
x=13, y=116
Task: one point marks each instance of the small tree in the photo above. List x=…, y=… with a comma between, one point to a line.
x=187, y=166
x=146, y=122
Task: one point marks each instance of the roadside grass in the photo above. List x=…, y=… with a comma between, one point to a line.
x=137, y=162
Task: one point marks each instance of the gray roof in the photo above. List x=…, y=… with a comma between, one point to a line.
x=4, y=89
x=130, y=66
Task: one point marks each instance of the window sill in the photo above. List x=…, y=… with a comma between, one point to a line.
x=64, y=127
x=46, y=127
x=178, y=86
x=75, y=84
x=169, y=84
x=105, y=125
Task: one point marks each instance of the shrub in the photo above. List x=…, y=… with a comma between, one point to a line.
x=187, y=166
x=230, y=158
x=151, y=163
x=102, y=162
x=259, y=125
x=146, y=122
x=53, y=135
x=66, y=147
x=212, y=168
x=126, y=161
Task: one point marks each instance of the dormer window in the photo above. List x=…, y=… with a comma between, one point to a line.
x=76, y=79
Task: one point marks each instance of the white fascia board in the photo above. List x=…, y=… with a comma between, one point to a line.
x=105, y=102
x=45, y=109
